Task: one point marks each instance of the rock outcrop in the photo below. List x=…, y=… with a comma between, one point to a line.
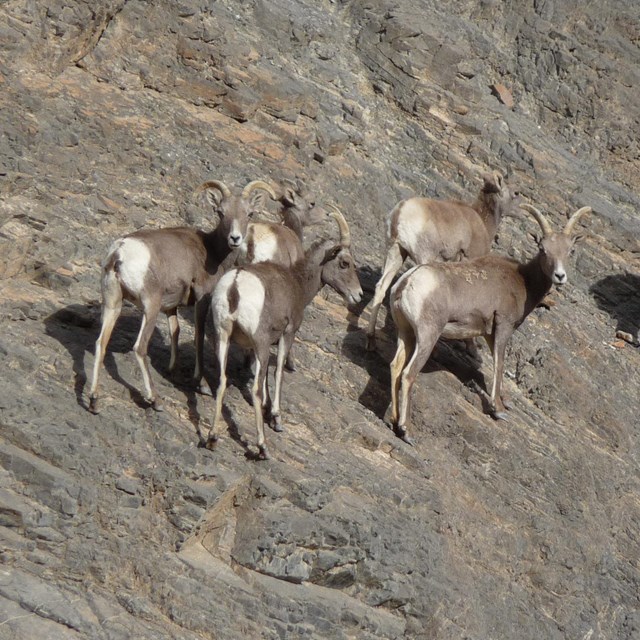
x=118, y=526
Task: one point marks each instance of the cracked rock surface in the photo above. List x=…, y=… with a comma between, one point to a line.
x=118, y=526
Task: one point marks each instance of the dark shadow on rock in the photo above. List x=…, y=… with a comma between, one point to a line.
x=453, y=356
x=76, y=327
x=232, y=430
x=249, y=445
x=619, y=296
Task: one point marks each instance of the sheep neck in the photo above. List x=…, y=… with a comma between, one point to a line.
x=219, y=255
x=291, y=219
x=489, y=211
x=216, y=242
x=308, y=272
x=537, y=282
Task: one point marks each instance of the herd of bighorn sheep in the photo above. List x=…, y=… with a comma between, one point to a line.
x=256, y=279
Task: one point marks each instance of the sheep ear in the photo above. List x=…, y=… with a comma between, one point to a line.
x=301, y=188
x=214, y=198
x=289, y=196
x=330, y=254
x=535, y=237
x=490, y=184
x=258, y=200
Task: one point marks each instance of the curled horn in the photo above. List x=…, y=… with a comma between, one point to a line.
x=573, y=219
x=258, y=184
x=542, y=221
x=215, y=184
x=345, y=234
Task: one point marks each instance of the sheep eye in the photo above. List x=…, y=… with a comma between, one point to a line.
x=344, y=264
x=251, y=214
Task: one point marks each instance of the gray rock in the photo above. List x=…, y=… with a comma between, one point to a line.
x=117, y=525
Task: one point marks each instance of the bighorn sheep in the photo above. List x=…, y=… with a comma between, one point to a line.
x=279, y=243
x=261, y=304
x=440, y=230
x=162, y=269
x=490, y=296
x=298, y=207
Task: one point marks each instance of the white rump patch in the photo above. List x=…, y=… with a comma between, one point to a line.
x=252, y=296
x=412, y=223
x=421, y=282
x=265, y=243
x=266, y=249
x=134, y=256
x=250, y=304
x=220, y=299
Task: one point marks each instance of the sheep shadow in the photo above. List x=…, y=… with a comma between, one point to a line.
x=240, y=375
x=447, y=355
x=234, y=432
x=619, y=296
x=76, y=327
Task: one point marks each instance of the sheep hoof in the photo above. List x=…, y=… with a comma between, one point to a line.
x=290, y=365
x=371, y=343
x=276, y=424
x=401, y=432
x=405, y=438
x=263, y=452
x=500, y=415
x=210, y=442
x=204, y=389
x=93, y=405
x=157, y=405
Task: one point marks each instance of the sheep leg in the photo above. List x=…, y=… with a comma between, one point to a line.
x=200, y=317
x=498, y=345
x=111, y=309
x=424, y=344
x=174, y=331
x=395, y=257
x=222, y=347
x=266, y=402
x=151, y=310
x=258, y=397
x=405, y=345
x=290, y=363
x=284, y=346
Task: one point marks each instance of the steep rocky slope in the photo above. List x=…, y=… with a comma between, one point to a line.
x=118, y=525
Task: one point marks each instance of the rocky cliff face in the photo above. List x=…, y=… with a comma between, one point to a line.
x=118, y=525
